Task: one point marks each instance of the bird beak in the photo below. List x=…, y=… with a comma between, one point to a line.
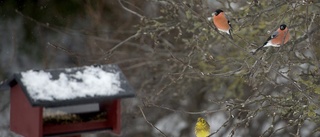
x=213, y=14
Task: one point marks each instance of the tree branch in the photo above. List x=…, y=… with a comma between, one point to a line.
x=131, y=11
x=144, y=116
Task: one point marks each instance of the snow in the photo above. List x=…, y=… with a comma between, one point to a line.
x=92, y=81
x=171, y=124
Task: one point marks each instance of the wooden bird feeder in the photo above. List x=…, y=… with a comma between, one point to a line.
x=66, y=102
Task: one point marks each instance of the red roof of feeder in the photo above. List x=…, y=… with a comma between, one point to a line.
x=72, y=86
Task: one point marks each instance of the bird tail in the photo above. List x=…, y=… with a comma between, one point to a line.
x=230, y=34
x=259, y=48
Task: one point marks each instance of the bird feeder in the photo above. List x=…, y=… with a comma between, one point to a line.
x=64, y=102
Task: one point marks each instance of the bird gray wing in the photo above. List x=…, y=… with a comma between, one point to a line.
x=273, y=35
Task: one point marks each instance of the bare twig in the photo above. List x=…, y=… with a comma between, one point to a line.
x=189, y=112
x=62, y=49
x=129, y=10
x=109, y=52
x=144, y=116
x=310, y=41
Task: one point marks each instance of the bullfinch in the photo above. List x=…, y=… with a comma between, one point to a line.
x=221, y=21
x=279, y=37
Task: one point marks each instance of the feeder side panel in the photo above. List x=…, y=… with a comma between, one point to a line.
x=24, y=119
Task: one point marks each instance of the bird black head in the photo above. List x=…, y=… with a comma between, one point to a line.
x=283, y=26
x=217, y=12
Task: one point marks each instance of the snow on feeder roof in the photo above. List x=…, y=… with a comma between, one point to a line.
x=73, y=86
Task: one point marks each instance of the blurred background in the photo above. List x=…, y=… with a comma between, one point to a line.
x=181, y=67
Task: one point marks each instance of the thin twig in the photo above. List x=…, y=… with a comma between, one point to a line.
x=144, y=116
x=310, y=41
x=131, y=11
x=109, y=52
x=62, y=49
x=189, y=112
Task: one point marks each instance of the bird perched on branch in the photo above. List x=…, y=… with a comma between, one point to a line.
x=279, y=37
x=221, y=21
x=202, y=128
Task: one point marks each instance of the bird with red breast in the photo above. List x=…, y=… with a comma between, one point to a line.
x=221, y=22
x=279, y=37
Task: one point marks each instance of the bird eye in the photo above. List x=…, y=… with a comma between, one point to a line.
x=282, y=27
